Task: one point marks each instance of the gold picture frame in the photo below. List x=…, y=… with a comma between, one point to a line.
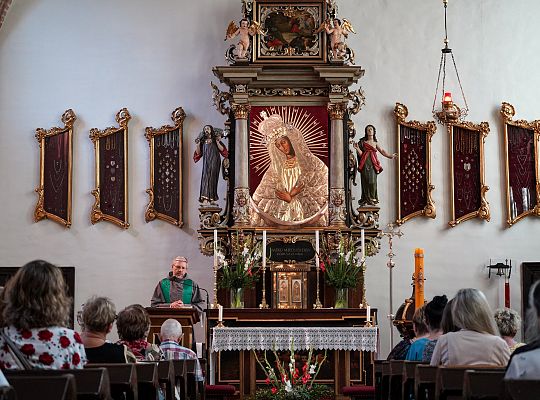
x=418, y=164
x=44, y=210
x=113, y=205
x=508, y=112
x=169, y=138
x=468, y=138
x=285, y=41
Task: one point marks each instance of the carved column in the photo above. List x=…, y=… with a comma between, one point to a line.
x=337, y=211
x=241, y=176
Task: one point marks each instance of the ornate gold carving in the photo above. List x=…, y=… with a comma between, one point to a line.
x=178, y=116
x=337, y=110
x=507, y=112
x=428, y=129
x=483, y=212
x=358, y=100
x=96, y=215
x=241, y=207
x=288, y=92
x=241, y=111
x=337, y=211
x=68, y=119
x=220, y=99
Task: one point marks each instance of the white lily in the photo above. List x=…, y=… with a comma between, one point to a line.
x=312, y=369
x=288, y=386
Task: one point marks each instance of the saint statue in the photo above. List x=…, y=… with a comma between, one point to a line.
x=294, y=189
x=209, y=147
x=369, y=165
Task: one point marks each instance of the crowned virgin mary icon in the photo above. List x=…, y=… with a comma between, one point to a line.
x=294, y=189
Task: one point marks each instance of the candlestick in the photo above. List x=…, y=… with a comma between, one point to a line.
x=264, y=250
x=215, y=248
x=368, y=313
x=363, y=245
x=220, y=313
x=263, y=304
x=317, y=248
x=418, y=278
x=318, y=303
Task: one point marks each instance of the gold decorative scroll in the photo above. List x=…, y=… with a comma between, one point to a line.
x=43, y=210
x=483, y=211
x=507, y=112
x=96, y=135
x=428, y=129
x=176, y=134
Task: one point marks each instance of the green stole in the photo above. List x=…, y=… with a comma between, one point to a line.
x=187, y=290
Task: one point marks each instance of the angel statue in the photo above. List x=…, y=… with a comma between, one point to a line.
x=337, y=32
x=209, y=147
x=243, y=32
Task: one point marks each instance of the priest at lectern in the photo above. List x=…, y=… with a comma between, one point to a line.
x=178, y=290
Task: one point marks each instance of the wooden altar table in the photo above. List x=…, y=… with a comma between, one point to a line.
x=351, y=346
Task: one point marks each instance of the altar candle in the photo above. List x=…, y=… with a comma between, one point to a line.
x=215, y=249
x=264, y=250
x=368, y=313
x=220, y=313
x=317, y=249
x=363, y=245
x=418, y=278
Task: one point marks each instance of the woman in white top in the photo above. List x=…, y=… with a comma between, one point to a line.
x=477, y=342
x=525, y=361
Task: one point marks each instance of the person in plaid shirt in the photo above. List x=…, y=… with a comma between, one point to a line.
x=171, y=335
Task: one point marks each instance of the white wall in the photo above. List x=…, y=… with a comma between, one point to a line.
x=97, y=57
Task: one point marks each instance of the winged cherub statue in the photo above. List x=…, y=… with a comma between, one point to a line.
x=243, y=32
x=338, y=31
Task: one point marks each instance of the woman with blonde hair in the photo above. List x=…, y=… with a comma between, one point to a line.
x=477, y=342
x=35, y=313
x=97, y=318
x=508, y=322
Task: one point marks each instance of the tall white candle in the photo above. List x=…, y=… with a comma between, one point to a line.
x=363, y=245
x=368, y=313
x=220, y=313
x=264, y=250
x=215, y=249
x=317, y=249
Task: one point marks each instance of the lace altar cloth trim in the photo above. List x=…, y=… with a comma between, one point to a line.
x=352, y=339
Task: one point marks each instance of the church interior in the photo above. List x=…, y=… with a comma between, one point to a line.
x=321, y=167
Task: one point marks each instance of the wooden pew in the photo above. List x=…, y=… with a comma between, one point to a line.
x=378, y=378
x=147, y=380
x=409, y=371
x=424, y=382
x=7, y=393
x=483, y=385
x=521, y=389
x=59, y=387
x=123, y=378
x=385, y=380
x=167, y=379
x=91, y=384
x=396, y=379
x=449, y=381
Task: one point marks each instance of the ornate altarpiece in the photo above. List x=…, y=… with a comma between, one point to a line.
x=521, y=165
x=55, y=171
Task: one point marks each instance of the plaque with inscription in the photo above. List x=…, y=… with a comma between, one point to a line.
x=299, y=251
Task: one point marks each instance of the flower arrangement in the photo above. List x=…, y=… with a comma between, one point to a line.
x=287, y=382
x=342, y=268
x=242, y=270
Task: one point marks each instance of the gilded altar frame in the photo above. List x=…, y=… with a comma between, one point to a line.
x=427, y=130
x=309, y=49
x=97, y=214
x=480, y=130
x=507, y=112
x=177, y=116
x=42, y=211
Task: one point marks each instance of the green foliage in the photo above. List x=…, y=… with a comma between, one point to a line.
x=242, y=271
x=342, y=269
x=316, y=392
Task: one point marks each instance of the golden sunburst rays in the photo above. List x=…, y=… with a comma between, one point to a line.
x=313, y=132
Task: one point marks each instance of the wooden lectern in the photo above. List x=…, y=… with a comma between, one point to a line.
x=186, y=316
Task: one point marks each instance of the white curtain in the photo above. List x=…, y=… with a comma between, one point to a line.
x=4, y=5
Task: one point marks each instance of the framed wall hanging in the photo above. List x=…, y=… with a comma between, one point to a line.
x=414, y=184
x=521, y=165
x=289, y=31
x=467, y=176
x=111, y=171
x=166, y=171
x=55, y=171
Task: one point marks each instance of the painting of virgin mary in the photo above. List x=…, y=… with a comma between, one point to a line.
x=294, y=189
